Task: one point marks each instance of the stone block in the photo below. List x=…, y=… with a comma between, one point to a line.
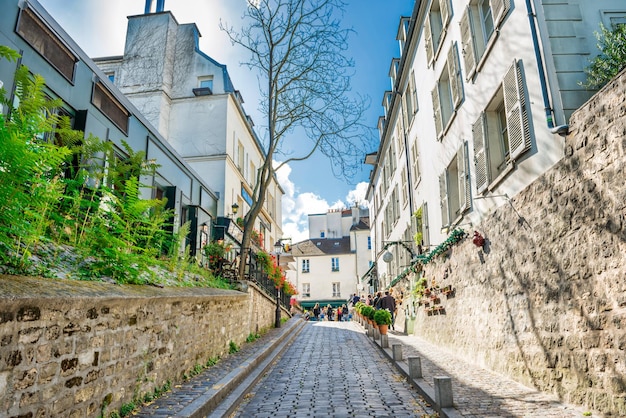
x=415, y=367
x=384, y=341
x=396, y=350
x=443, y=391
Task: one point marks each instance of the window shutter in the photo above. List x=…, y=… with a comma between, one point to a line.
x=455, y=80
x=480, y=153
x=425, y=227
x=499, y=9
x=443, y=192
x=444, y=7
x=467, y=41
x=428, y=40
x=414, y=93
x=464, y=185
x=437, y=110
x=516, y=114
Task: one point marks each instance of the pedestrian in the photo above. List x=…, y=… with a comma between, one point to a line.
x=316, y=311
x=369, y=301
x=329, y=312
x=355, y=299
x=377, y=300
x=346, y=312
x=388, y=302
x=340, y=313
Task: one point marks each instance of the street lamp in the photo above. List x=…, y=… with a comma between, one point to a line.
x=235, y=209
x=278, y=249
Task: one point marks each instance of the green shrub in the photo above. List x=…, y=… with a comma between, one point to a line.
x=232, y=347
x=382, y=317
x=612, y=58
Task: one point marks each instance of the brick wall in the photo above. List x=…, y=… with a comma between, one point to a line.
x=67, y=346
x=545, y=300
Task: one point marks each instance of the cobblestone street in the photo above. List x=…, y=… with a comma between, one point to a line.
x=332, y=369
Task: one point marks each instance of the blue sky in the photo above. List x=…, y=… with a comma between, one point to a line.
x=99, y=27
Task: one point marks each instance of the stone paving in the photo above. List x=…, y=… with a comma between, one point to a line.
x=479, y=393
x=332, y=370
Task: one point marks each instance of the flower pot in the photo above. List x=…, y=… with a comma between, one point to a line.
x=383, y=328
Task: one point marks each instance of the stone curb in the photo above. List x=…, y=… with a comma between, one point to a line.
x=225, y=394
x=419, y=384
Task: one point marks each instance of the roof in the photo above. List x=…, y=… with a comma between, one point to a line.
x=321, y=247
x=364, y=224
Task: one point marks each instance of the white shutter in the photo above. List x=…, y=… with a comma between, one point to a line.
x=425, y=226
x=444, y=7
x=467, y=41
x=480, y=153
x=437, y=110
x=428, y=40
x=443, y=193
x=499, y=9
x=464, y=186
x=455, y=80
x=516, y=114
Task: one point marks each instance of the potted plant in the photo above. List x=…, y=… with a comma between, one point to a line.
x=366, y=311
x=382, y=317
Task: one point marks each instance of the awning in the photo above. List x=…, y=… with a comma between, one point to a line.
x=369, y=273
x=309, y=304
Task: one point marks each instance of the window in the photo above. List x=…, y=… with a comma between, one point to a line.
x=400, y=138
x=448, y=92
x=421, y=224
x=334, y=263
x=306, y=290
x=405, y=190
x=322, y=234
x=415, y=164
x=110, y=107
x=111, y=77
x=369, y=243
x=240, y=157
x=501, y=134
x=206, y=83
x=478, y=24
x=336, y=290
x=45, y=42
x=435, y=26
x=410, y=100
x=454, y=188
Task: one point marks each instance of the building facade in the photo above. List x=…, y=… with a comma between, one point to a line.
x=479, y=98
x=327, y=266
x=95, y=106
x=191, y=100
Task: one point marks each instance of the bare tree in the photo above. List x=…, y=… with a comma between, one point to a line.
x=297, y=48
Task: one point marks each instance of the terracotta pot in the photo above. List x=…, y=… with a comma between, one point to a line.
x=383, y=329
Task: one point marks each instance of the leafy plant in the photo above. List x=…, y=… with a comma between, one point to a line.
x=232, y=347
x=612, y=58
x=382, y=317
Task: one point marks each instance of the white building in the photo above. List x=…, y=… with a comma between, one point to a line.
x=190, y=99
x=329, y=264
x=471, y=117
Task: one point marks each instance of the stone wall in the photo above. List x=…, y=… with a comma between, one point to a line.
x=545, y=300
x=71, y=348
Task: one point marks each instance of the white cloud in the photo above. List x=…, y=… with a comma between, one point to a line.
x=297, y=206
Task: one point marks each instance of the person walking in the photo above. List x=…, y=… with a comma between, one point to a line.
x=388, y=302
x=340, y=313
x=377, y=300
x=316, y=311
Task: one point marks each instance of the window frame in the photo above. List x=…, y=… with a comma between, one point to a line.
x=448, y=93
x=511, y=94
x=306, y=266
x=454, y=188
x=334, y=264
x=435, y=28
x=305, y=287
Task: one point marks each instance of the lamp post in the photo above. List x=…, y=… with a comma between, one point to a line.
x=278, y=249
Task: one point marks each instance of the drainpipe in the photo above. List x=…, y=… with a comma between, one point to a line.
x=540, y=68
